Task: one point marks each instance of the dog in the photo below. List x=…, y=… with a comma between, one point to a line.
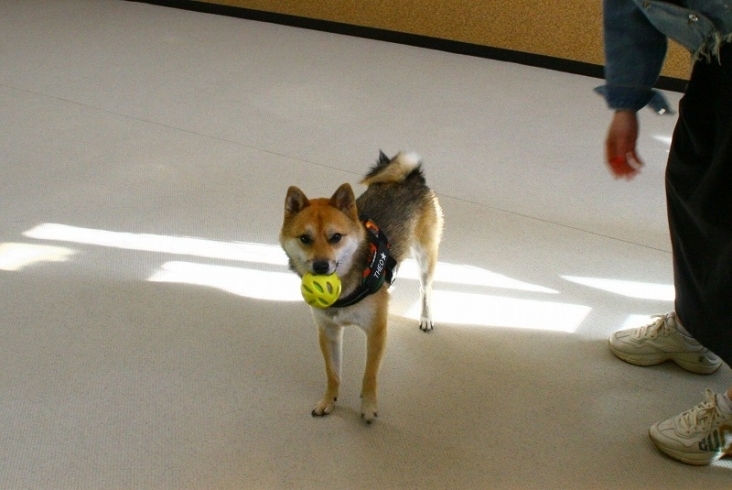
x=361, y=240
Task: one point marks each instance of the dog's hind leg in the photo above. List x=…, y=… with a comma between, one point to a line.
x=427, y=243
x=331, y=345
x=426, y=272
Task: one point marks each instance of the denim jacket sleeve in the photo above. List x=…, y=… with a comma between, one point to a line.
x=634, y=54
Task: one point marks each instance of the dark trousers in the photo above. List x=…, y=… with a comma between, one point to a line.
x=699, y=200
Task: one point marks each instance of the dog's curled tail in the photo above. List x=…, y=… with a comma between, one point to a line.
x=394, y=170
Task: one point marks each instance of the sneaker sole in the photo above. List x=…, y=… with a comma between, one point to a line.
x=655, y=359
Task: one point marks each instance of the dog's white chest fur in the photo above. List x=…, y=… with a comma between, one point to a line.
x=361, y=315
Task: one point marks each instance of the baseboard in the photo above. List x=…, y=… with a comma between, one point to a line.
x=529, y=59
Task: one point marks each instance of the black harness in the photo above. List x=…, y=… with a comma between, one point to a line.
x=380, y=267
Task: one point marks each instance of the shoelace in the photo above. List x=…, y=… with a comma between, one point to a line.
x=653, y=329
x=703, y=417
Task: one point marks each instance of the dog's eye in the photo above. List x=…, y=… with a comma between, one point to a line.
x=335, y=238
x=306, y=240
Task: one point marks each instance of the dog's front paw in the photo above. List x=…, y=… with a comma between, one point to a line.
x=426, y=325
x=324, y=407
x=368, y=411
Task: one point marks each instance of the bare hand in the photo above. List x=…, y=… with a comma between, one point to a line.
x=620, y=145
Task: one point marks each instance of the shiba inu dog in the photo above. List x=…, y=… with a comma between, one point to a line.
x=360, y=240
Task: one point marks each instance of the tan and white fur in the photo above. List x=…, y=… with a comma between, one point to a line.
x=326, y=236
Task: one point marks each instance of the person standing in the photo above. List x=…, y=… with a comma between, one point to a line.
x=697, y=335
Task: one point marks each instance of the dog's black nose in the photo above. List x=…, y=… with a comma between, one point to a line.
x=321, y=267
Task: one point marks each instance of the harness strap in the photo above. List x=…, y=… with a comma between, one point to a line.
x=380, y=267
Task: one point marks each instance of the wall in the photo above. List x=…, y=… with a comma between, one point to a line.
x=571, y=29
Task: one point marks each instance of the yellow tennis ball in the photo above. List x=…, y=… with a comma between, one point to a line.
x=320, y=291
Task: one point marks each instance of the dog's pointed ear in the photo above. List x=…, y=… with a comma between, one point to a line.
x=295, y=201
x=383, y=159
x=345, y=200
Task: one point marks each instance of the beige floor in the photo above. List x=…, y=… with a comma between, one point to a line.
x=152, y=337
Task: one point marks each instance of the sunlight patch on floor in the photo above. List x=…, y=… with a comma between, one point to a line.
x=466, y=308
x=16, y=256
x=500, y=311
x=630, y=289
x=634, y=321
x=665, y=139
x=469, y=275
x=198, y=247
x=249, y=283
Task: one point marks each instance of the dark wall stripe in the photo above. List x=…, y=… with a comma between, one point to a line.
x=529, y=59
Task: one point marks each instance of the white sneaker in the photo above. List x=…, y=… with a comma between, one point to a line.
x=662, y=340
x=698, y=436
